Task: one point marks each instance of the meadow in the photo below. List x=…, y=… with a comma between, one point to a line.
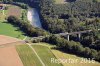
x=10, y=30
x=45, y=54
x=29, y=58
x=7, y=28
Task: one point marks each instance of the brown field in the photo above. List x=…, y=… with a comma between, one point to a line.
x=8, y=53
x=9, y=57
x=6, y=40
x=14, y=11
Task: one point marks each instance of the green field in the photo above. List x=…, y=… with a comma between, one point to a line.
x=30, y=59
x=80, y=62
x=27, y=56
x=10, y=30
x=45, y=54
x=63, y=55
x=3, y=16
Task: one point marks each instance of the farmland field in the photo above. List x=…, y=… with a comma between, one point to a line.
x=11, y=10
x=9, y=57
x=14, y=10
x=45, y=54
x=10, y=30
x=29, y=58
x=61, y=55
x=7, y=41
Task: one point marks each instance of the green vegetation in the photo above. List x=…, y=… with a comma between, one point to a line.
x=45, y=54
x=62, y=55
x=3, y=16
x=10, y=30
x=26, y=27
x=24, y=15
x=72, y=16
x=73, y=47
x=72, y=13
x=5, y=27
x=27, y=56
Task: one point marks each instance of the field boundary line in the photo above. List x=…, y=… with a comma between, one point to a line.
x=36, y=54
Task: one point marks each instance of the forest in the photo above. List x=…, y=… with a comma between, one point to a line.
x=72, y=16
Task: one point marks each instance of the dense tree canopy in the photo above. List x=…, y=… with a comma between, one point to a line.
x=74, y=15
x=73, y=47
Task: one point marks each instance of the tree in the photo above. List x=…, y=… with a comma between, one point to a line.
x=93, y=54
x=26, y=27
x=87, y=52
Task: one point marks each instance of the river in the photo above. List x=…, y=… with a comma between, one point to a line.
x=33, y=17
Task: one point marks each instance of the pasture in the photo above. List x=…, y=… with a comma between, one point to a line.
x=27, y=56
x=10, y=30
